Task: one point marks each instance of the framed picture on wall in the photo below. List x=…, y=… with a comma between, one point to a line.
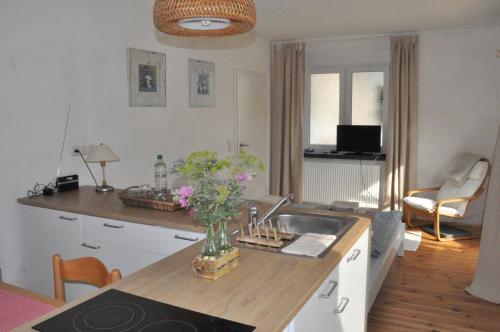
x=201, y=83
x=147, y=78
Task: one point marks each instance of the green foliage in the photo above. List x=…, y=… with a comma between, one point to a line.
x=217, y=184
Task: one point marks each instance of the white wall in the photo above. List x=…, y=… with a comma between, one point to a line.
x=459, y=104
x=54, y=53
x=348, y=52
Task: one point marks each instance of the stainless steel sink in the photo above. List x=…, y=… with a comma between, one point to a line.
x=309, y=223
x=301, y=223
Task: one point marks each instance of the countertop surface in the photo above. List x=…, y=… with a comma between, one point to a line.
x=267, y=290
x=87, y=201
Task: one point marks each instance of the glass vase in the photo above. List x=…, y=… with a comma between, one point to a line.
x=223, y=238
x=210, y=250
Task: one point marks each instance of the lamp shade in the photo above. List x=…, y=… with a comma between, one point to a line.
x=102, y=152
x=204, y=18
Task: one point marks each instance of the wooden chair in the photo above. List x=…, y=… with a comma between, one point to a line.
x=87, y=270
x=452, y=200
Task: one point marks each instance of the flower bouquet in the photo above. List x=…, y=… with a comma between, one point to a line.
x=214, y=193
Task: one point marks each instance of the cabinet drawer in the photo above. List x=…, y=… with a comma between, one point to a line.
x=121, y=233
x=127, y=260
x=171, y=240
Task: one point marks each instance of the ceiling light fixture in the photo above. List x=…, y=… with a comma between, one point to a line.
x=204, y=18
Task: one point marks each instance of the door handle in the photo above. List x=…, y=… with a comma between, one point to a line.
x=243, y=145
x=179, y=237
x=113, y=226
x=90, y=246
x=328, y=290
x=354, y=255
x=68, y=218
x=343, y=304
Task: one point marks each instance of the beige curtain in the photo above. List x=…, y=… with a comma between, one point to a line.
x=402, y=136
x=486, y=282
x=287, y=100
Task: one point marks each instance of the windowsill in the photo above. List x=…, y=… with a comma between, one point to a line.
x=343, y=155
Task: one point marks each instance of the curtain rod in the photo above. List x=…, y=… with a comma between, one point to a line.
x=341, y=38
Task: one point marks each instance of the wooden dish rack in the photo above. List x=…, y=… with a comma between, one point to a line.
x=267, y=236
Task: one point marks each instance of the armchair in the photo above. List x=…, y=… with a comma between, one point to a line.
x=452, y=200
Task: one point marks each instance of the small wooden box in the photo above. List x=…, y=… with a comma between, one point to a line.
x=213, y=269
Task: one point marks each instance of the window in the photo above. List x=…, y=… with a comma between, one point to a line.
x=365, y=102
x=325, y=107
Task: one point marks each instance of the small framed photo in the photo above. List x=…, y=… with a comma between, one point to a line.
x=201, y=83
x=147, y=78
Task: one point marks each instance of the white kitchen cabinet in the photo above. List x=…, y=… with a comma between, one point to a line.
x=119, y=244
x=45, y=233
x=172, y=240
x=339, y=304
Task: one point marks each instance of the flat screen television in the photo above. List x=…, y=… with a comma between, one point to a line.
x=358, y=139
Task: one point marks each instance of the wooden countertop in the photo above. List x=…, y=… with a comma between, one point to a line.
x=267, y=290
x=87, y=201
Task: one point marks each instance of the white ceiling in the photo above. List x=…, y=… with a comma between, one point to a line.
x=302, y=19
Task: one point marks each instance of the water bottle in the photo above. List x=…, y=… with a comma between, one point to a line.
x=160, y=177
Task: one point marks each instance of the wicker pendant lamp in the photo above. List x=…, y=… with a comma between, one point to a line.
x=204, y=18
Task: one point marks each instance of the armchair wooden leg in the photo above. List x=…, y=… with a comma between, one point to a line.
x=407, y=215
x=437, y=230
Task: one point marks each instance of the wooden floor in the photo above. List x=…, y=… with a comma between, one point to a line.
x=424, y=291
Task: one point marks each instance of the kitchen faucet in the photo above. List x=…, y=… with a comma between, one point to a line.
x=284, y=200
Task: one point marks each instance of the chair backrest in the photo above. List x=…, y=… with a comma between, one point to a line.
x=88, y=270
x=473, y=183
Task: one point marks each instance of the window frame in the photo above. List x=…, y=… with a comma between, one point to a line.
x=345, y=100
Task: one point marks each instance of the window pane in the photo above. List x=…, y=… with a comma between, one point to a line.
x=367, y=98
x=325, y=101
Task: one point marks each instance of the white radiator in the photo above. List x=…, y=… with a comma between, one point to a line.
x=326, y=181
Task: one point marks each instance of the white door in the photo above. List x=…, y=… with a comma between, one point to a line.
x=252, y=124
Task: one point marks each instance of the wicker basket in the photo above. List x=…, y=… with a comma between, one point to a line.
x=133, y=197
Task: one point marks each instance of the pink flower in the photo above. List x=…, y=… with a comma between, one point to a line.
x=186, y=191
x=248, y=177
x=183, y=202
x=240, y=177
x=245, y=188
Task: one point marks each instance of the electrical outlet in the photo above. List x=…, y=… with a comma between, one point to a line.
x=84, y=149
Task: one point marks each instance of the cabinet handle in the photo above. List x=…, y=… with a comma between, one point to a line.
x=113, y=226
x=343, y=304
x=354, y=255
x=68, y=218
x=90, y=247
x=329, y=288
x=186, y=238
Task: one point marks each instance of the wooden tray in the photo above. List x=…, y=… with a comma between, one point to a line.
x=131, y=197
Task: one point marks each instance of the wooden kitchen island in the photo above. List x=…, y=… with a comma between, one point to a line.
x=267, y=290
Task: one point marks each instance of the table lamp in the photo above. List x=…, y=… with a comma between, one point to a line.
x=102, y=153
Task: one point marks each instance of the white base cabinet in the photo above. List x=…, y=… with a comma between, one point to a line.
x=46, y=232
x=123, y=245
x=339, y=304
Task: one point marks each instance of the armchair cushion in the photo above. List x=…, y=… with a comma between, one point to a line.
x=429, y=205
x=462, y=167
x=451, y=189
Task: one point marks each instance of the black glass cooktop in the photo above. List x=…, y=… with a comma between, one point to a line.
x=116, y=311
